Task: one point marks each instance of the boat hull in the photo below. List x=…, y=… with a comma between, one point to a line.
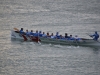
x=85, y=42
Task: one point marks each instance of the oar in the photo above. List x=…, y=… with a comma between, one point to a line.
x=76, y=42
x=89, y=35
x=38, y=39
x=16, y=29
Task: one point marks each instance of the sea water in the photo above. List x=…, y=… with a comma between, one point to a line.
x=76, y=17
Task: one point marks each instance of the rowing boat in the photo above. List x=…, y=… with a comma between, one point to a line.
x=83, y=42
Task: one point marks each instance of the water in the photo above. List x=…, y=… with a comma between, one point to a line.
x=76, y=17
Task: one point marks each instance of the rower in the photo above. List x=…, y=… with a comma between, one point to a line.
x=31, y=33
x=66, y=36
x=27, y=33
x=40, y=33
x=57, y=36
x=36, y=34
x=21, y=31
x=62, y=37
x=71, y=37
x=95, y=36
x=52, y=36
x=77, y=38
x=43, y=35
x=48, y=34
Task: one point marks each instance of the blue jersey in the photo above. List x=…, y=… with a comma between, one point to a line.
x=21, y=31
x=27, y=34
x=31, y=33
x=71, y=38
x=36, y=34
x=96, y=36
x=40, y=34
x=57, y=36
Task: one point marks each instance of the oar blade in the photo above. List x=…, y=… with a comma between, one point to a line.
x=16, y=29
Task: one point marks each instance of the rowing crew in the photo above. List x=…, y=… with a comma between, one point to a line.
x=57, y=36
x=40, y=34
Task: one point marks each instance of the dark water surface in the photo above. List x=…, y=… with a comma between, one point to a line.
x=76, y=17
